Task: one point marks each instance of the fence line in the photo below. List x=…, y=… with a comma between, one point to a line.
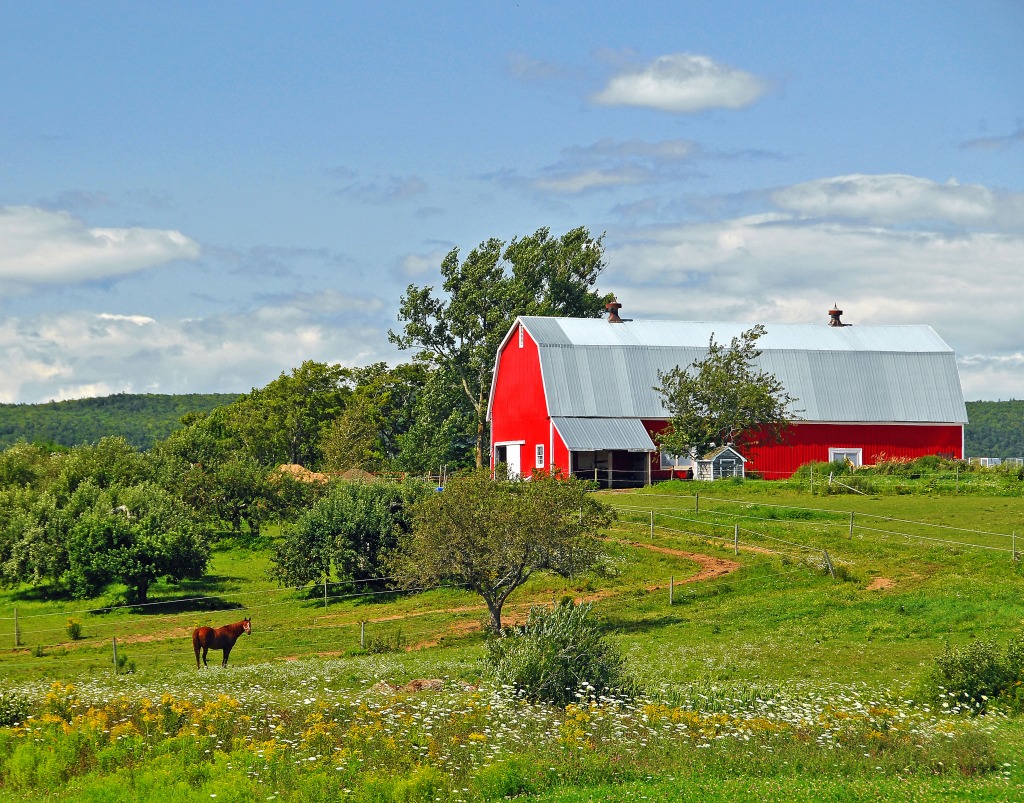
x=850, y=521
x=936, y=540
x=104, y=609
x=193, y=614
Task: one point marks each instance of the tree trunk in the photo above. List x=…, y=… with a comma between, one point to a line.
x=480, y=427
x=495, y=611
x=138, y=590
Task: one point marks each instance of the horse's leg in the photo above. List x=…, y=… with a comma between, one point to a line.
x=205, y=650
x=227, y=652
x=197, y=654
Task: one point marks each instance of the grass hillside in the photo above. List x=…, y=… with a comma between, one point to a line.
x=794, y=661
x=141, y=419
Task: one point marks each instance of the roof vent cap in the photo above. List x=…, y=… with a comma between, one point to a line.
x=833, y=315
x=613, y=308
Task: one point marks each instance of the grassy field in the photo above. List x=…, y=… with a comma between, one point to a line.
x=776, y=670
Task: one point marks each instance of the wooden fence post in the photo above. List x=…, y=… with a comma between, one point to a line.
x=671, y=590
x=325, y=593
x=652, y=525
x=851, y=525
x=736, y=539
x=362, y=635
x=17, y=635
x=696, y=507
x=828, y=565
x=115, y=655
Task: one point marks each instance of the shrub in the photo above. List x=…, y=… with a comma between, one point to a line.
x=395, y=642
x=14, y=708
x=557, y=652
x=74, y=628
x=979, y=673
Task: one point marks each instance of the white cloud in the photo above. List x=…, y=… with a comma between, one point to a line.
x=896, y=198
x=413, y=265
x=609, y=164
x=683, y=83
x=782, y=267
x=593, y=179
x=39, y=246
x=69, y=355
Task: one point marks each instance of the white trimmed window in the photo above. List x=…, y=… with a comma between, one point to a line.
x=670, y=461
x=855, y=457
x=540, y=455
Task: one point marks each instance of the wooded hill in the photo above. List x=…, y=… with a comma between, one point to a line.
x=140, y=418
x=996, y=429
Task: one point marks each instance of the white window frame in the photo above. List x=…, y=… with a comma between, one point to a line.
x=669, y=461
x=855, y=456
x=520, y=335
x=540, y=455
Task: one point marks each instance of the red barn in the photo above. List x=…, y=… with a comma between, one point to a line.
x=577, y=394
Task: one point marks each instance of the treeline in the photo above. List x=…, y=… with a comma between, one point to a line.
x=140, y=418
x=996, y=429
x=136, y=511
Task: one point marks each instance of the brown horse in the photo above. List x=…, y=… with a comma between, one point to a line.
x=219, y=638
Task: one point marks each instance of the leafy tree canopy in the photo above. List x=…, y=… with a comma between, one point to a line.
x=723, y=398
x=459, y=331
x=491, y=535
x=346, y=533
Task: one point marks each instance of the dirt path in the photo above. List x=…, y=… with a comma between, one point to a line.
x=710, y=568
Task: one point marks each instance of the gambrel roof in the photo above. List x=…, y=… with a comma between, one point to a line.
x=871, y=374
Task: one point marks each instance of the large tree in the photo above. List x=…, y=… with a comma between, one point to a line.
x=346, y=533
x=459, y=331
x=724, y=398
x=492, y=535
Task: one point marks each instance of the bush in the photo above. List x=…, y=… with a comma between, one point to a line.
x=556, y=653
x=74, y=628
x=979, y=673
x=14, y=708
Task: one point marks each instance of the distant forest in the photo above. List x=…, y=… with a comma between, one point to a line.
x=996, y=429
x=141, y=419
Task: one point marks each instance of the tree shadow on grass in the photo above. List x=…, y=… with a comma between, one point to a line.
x=620, y=625
x=183, y=604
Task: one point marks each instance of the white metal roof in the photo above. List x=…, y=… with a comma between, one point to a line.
x=595, y=434
x=884, y=374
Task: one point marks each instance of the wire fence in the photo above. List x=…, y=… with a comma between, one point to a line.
x=804, y=535
x=710, y=511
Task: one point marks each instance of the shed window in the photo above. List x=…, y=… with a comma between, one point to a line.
x=852, y=456
x=540, y=455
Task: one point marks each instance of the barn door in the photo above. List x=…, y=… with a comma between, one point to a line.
x=514, y=459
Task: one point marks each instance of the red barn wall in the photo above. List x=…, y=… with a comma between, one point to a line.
x=807, y=442
x=519, y=410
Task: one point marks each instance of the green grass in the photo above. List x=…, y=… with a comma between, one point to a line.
x=779, y=624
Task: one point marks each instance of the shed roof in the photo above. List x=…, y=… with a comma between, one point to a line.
x=595, y=434
x=870, y=374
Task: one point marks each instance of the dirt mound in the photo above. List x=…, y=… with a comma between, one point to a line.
x=301, y=473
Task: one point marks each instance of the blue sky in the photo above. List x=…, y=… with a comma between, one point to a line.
x=197, y=197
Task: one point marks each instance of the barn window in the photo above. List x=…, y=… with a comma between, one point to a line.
x=852, y=456
x=540, y=455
